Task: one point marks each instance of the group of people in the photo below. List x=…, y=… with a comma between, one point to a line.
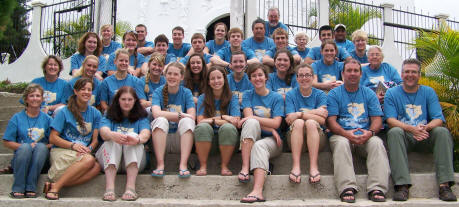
x=258, y=94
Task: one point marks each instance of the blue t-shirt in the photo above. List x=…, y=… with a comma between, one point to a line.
x=149, y=44
x=77, y=60
x=213, y=47
x=125, y=126
x=412, y=108
x=271, y=52
x=303, y=53
x=385, y=73
x=353, y=109
x=295, y=102
x=111, y=61
x=179, y=102
x=68, y=128
x=260, y=48
x=24, y=129
x=152, y=86
x=239, y=87
x=269, y=106
x=57, y=92
x=346, y=44
x=225, y=53
x=111, y=48
x=181, y=52
x=278, y=85
x=314, y=54
x=327, y=73
x=269, y=30
x=362, y=60
x=232, y=109
x=95, y=99
x=111, y=84
x=206, y=56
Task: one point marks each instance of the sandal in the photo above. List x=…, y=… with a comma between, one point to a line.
x=17, y=195
x=30, y=194
x=129, y=195
x=201, y=172
x=372, y=195
x=56, y=195
x=312, y=177
x=252, y=199
x=47, y=186
x=348, y=192
x=294, y=180
x=184, y=173
x=7, y=170
x=245, y=178
x=445, y=194
x=401, y=193
x=157, y=173
x=109, y=195
x=226, y=173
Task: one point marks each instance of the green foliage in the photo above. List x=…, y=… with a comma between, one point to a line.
x=121, y=28
x=15, y=34
x=6, y=9
x=7, y=86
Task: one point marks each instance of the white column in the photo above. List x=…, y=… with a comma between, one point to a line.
x=324, y=17
x=237, y=14
x=250, y=16
x=391, y=53
x=441, y=19
x=105, y=12
x=96, y=16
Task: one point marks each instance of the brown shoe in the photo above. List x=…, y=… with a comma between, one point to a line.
x=401, y=193
x=446, y=194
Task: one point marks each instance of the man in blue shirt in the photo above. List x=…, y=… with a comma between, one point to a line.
x=340, y=38
x=198, y=43
x=280, y=38
x=415, y=116
x=325, y=33
x=161, y=46
x=259, y=43
x=273, y=22
x=144, y=47
x=178, y=47
x=354, y=118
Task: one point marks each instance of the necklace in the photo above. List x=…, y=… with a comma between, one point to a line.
x=352, y=95
x=30, y=128
x=409, y=96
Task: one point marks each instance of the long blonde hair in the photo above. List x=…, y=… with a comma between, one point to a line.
x=82, y=70
x=157, y=57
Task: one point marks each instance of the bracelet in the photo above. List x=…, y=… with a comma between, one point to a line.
x=138, y=142
x=213, y=121
x=221, y=117
x=179, y=115
x=71, y=146
x=372, y=132
x=90, y=148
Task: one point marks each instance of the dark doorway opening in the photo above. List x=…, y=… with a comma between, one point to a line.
x=210, y=28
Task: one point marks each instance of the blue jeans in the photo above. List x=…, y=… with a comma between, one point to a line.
x=27, y=164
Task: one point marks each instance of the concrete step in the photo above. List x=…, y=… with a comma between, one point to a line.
x=419, y=163
x=6, y=112
x=216, y=187
x=3, y=124
x=151, y=202
x=3, y=149
x=9, y=99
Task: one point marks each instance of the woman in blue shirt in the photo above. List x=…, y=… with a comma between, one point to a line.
x=284, y=78
x=89, y=44
x=174, y=112
x=219, y=41
x=218, y=115
x=263, y=112
x=360, y=40
x=119, y=79
x=56, y=90
x=327, y=70
x=195, y=74
x=153, y=79
x=27, y=134
x=74, y=133
x=88, y=70
x=124, y=131
x=306, y=109
x=110, y=46
x=136, y=59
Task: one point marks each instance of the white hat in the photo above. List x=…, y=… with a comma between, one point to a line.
x=340, y=25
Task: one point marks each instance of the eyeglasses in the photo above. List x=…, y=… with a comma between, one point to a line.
x=307, y=75
x=131, y=31
x=374, y=54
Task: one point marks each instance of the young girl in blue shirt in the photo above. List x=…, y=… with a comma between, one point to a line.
x=89, y=44
x=174, y=120
x=195, y=74
x=218, y=115
x=136, y=60
x=284, y=78
x=27, y=134
x=88, y=70
x=74, y=133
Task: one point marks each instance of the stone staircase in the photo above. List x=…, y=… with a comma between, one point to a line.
x=216, y=190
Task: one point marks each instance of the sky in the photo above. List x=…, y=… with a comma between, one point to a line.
x=432, y=7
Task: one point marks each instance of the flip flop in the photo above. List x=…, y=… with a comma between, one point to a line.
x=252, y=199
x=226, y=173
x=245, y=176
x=30, y=194
x=46, y=187
x=17, y=195
x=182, y=174
x=157, y=173
x=109, y=195
x=311, y=177
x=129, y=192
x=296, y=178
x=52, y=198
x=202, y=172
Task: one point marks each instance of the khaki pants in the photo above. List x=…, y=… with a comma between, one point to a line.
x=173, y=139
x=263, y=149
x=110, y=153
x=377, y=163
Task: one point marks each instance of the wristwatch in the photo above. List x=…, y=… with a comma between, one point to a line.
x=372, y=132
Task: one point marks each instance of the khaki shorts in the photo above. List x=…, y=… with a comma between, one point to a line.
x=61, y=159
x=323, y=141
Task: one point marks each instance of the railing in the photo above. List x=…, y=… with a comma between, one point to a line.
x=15, y=41
x=63, y=24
